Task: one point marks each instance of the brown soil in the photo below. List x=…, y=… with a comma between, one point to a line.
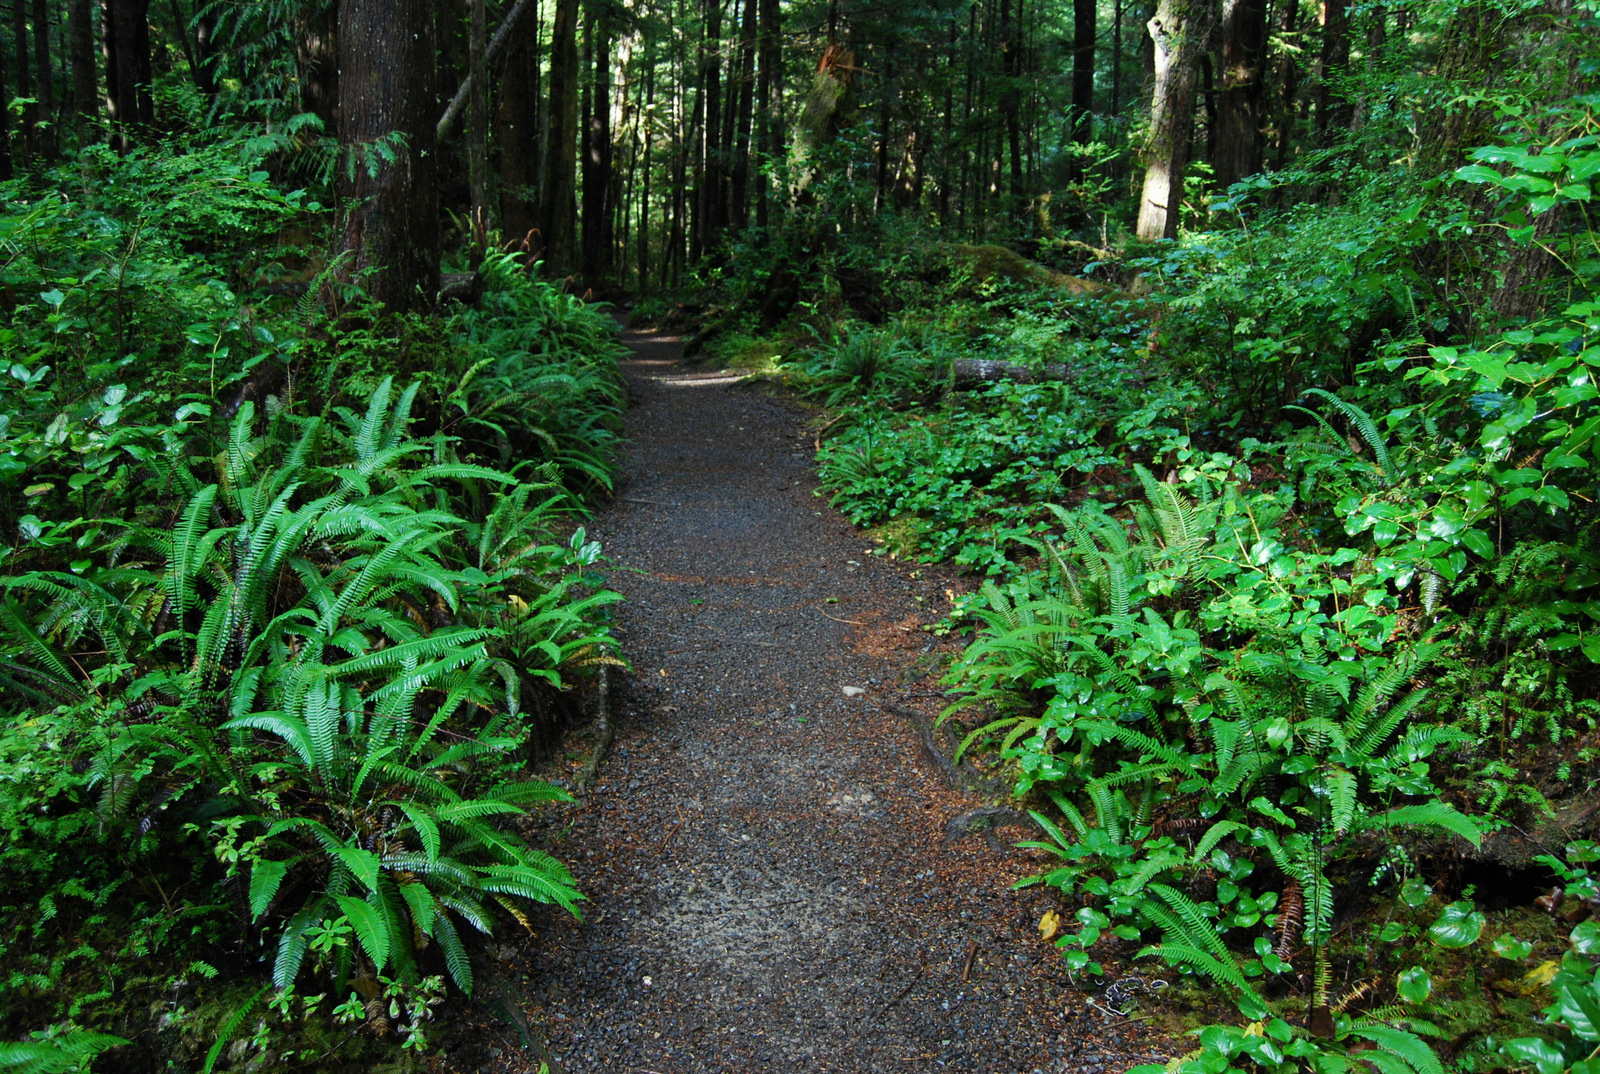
x=765, y=852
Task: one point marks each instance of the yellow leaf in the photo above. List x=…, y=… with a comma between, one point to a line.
x=1539, y=976
x=1049, y=925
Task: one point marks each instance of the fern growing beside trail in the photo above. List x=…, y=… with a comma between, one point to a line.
x=309, y=695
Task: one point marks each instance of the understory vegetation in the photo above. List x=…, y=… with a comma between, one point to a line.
x=294, y=590
x=1286, y=621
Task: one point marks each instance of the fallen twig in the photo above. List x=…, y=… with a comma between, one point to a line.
x=972, y=953
x=836, y=619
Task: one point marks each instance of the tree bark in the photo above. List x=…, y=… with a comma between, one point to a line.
x=27, y=129
x=598, y=159
x=1333, y=105
x=739, y=194
x=6, y=171
x=1083, y=29
x=1178, y=34
x=478, y=124
x=561, y=136
x=85, y=78
x=317, y=60
x=517, y=131
x=707, y=224
x=387, y=85
x=769, y=50
x=41, y=63
x=129, y=104
x=1244, y=40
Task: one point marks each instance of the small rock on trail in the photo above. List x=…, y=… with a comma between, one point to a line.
x=771, y=884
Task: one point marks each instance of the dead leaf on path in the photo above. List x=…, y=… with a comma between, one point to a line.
x=1049, y=925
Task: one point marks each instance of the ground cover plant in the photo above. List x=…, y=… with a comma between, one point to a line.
x=277, y=630
x=1287, y=597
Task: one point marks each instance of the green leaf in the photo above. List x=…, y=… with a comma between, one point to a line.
x=1586, y=938
x=1414, y=985
x=265, y=877
x=363, y=863
x=1458, y=926
x=372, y=928
x=1578, y=1007
x=1508, y=946
x=1537, y=1052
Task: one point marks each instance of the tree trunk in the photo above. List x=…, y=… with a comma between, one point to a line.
x=317, y=60
x=1083, y=29
x=127, y=34
x=739, y=194
x=477, y=127
x=80, y=51
x=1178, y=33
x=1289, y=85
x=770, y=57
x=27, y=130
x=386, y=85
x=42, y=68
x=6, y=171
x=706, y=224
x=517, y=132
x=597, y=158
x=1333, y=104
x=561, y=136
x=1244, y=39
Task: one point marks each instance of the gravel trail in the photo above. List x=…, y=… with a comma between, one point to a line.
x=765, y=851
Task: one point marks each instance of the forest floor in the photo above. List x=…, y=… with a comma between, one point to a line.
x=772, y=880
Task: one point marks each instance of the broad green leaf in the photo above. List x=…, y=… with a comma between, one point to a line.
x=1537, y=1052
x=1508, y=946
x=1414, y=985
x=1458, y=926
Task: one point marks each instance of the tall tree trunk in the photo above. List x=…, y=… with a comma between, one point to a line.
x=561, y=136
x=6, y=171
x=126, y=26
x=647, y=120
x=27, y=130
x=770, y=52
x=387, y=85
x=1011, y=103
x=477, y=125
x=1178, y=33
x=739, y=193
x=46, y=76
x=597, y=158
x=80, y=51
x=707, y=225
x=517, y=133
x=1244, y=40
x=1083, y=30
x=1333, y=103
x=317, y=61
x=1289, y=85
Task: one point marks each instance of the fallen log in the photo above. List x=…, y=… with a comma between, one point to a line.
x=975, y=372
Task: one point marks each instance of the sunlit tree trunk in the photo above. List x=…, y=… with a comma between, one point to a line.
x=1178, y=33
x=386, y=86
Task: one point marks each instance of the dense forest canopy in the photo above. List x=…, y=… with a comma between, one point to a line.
x=1241, y=350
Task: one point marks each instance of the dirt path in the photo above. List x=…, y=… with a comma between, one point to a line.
x=765, y=851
